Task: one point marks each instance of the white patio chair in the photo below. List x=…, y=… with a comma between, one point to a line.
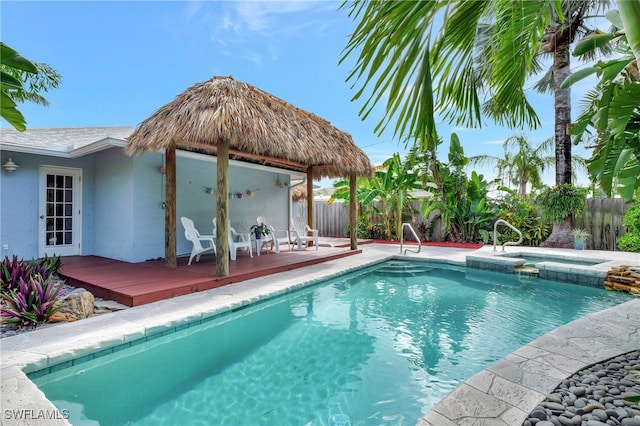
x=237, y=241
x=280, y=237
x=301, y=233
x=276, y=238
x=192, y=234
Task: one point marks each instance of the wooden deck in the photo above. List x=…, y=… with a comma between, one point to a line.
x=134, y=284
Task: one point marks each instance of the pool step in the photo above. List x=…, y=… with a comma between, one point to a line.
x=403, y=269
x=526, y=270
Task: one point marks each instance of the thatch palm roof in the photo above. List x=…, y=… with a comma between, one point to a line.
x=299, y=193
x=259, y=127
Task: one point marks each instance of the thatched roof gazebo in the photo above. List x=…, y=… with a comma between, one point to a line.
x=225, y=117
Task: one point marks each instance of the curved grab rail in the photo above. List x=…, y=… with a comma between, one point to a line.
x=508, y=243
x=408, y=225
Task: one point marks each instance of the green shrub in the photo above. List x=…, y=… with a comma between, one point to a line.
x=630, y=241
x=632, y=217
x=523, y=215
x=367, y=228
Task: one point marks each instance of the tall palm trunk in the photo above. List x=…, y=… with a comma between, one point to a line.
x=561, y=233
x=562, y=105
x=522, y=187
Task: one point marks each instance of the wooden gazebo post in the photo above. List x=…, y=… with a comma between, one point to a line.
x=222, y=209
x=170, y=259
x=310, y=200
x=353, y=212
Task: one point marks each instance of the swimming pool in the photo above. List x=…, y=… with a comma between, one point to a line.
x=380, y=346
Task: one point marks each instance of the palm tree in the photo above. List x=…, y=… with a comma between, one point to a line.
x=21, y=81
x=504, y=166
x=524, y=166
x=423, y=56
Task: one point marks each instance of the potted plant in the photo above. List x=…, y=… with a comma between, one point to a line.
x=580, y=236
x=260, y=230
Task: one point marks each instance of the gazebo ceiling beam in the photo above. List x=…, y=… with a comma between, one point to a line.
x=248, y=156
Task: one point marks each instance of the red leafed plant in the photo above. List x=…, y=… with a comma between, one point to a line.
x=31, y=303
x=12, y=270
x=28, y=290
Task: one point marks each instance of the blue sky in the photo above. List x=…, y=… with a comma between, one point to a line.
x=121, y=61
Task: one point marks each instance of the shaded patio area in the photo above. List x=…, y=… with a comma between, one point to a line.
x=134, y=284
x=232, y=120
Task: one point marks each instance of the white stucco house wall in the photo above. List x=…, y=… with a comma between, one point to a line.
x=75, y=192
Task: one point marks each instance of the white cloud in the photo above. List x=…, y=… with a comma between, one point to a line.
x=193, y=7
x=254, y=57
x=229, y=24
x=248, y=27
x=264, y=16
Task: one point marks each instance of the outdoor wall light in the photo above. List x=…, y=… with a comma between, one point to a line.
x=280, y=184
x=10, y=166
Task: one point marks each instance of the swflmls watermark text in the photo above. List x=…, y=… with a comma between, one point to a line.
x=30, y=414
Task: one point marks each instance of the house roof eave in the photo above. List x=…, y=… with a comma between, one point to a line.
x=97, y=146
x=66, y=152
x=60, y=152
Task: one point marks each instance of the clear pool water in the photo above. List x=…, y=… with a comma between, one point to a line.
x=381, y=346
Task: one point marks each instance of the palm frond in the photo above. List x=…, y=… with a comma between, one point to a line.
x=518, y=30
x=483, y=160
x=392, y=40
x=545, y=83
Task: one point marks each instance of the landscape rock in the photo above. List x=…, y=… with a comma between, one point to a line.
x=623, y=278
x=102, y=306
x=74, y=306
x=601, y=403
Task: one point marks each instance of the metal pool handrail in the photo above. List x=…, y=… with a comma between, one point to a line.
x=508, y=243
x=408, y=225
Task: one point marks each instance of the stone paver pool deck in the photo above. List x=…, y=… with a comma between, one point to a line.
x=502, y=394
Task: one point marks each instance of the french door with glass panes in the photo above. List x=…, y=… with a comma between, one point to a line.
x=60, y=218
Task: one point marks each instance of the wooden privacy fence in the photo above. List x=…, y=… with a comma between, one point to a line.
x=602, y=218
x=332, y=220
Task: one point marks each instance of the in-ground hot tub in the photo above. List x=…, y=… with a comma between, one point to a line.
x=575, y=267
